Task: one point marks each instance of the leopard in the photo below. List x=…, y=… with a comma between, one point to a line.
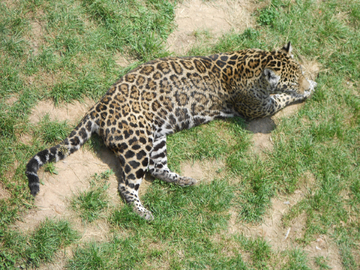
x=170, y=94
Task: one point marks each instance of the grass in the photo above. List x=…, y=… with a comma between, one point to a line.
x=40, y=246
x=204, y=142
x=91, y=203
x=67, y=50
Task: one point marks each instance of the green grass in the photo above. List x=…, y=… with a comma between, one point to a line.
x=68, y=49
x=321, y=262
x=53, y=131
x=204, y=142
x=91, y=203
x=296, y=260
x=41, y=246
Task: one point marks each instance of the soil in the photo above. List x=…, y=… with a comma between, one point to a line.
x=37, y=33
x=4, y=194
x=73, y=173
x=11, y=100
x=282, y=238
x=203, y=171
x=214, y=17
x=71, y=112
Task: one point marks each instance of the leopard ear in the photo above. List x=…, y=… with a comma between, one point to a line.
x=271, y=77
x=287, y=49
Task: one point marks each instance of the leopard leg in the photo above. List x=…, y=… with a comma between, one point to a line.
x=158, y=165
x=279, y=101
x=132, y=173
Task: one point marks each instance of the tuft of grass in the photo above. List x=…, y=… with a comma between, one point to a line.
x=259, y=249
x=47, y=239
x=269, y=15
x=203, y=142
x=297, y=260
x=53, y=131
x=101, y=255
x=141, y=26
x=98, y=178
x=179, y=211
x=321, y=262
x=185, y=218
x=40, y=246
x=91, y=203
x=50, y=167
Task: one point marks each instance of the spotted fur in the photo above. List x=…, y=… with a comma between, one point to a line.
x=171, y=94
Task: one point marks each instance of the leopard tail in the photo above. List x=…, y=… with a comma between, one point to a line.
x=73, y=142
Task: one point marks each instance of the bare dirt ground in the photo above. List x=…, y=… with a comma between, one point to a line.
x=74, y=172
x=282, y=238
x=215, y=17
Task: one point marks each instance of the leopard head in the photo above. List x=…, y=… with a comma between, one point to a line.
x=283, y=74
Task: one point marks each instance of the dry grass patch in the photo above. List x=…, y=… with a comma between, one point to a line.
x=10, y=4
x=59, y=261
x=43, y=79
x=215, y=18
x=272, y=228
x=24, y=138
x=4, y=194
x=36, y=36
x=323, y=246
x=72, y=177
x=11, y=100
x=123, y=60
x=71, y=112
x=283, y=237
x=204, y=170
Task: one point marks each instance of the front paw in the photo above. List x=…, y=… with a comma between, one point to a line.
x=311, y=89
x=308, y=93
x=313, y=84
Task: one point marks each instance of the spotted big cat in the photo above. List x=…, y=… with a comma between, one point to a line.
x=168, y=95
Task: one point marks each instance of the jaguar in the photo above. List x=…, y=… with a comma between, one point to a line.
x=170, y=94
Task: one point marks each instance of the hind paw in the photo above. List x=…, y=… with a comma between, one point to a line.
x=144, y=213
